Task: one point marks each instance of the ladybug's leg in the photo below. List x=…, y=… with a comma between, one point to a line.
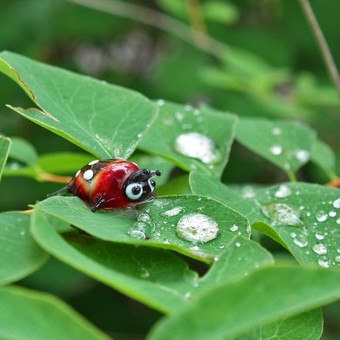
x=61, y=191
x=98, y=204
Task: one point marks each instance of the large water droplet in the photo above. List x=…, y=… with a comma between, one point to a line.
x=282, y=214
x=324, y=263
x=142, y=229
x=336, y=203
x=320, y=249
x=197, y=145
x=197, y=228
x=321, y=216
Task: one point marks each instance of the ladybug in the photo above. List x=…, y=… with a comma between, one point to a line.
x=111, y=184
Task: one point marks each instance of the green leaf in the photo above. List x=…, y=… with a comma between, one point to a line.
x=157, y=224
x=324, y=157
x=286, y=144
x=155, y=277
x=23, y=151
x=202, y=137
x=103, y=119
x=5, y=144
x=19, y=253
x=23, y=315
x=220, y=11
x=264, y=296
x=307, y=326
x=209, y=186
x=305, y=219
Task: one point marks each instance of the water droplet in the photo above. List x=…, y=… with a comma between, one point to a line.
x=324, y=263
x=197, y=228
x=320, y=249
x=337, y=258
x=332, y=213
x=319, y=236
x=283, y=191
x=321, y=216
x=276, y=150
x=238, y=244
x=338, y=221
x=144, y=273
x=336, y=203
x=276, y=131
x=173, y=212
x=301, y=242
x=197, y=145
x=138, y=231
x=234, y=228
x=302, y=155
x=142, y=229
x=281, y=213
x=160, y=102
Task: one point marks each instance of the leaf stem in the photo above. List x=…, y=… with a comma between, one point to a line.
x=292, y=176
x=321, y=41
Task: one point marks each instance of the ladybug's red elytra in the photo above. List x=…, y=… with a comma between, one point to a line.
x=111, y=184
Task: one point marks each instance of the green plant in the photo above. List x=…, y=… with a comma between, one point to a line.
x=245, y=292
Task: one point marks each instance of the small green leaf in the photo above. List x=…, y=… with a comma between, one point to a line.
x=324, y=157
x=192, y=138
x=105, y=120
x=286, y=144
x=264, y=296
x=157, y=224
x=5, y=144
x=305, y=219
x=19, y=254
x=23, y=315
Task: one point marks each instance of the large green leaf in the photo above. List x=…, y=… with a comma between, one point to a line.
x=286, y=144
x=264, y=296
x=307, y=326
x=192, y=137
x=26, y=314
x=155, y=277
x=305, y=219
x=161, y=223
x=19, y=253
x=106, y=120
x=4, y=149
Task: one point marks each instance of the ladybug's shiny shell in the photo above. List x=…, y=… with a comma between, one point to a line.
x=112, y=184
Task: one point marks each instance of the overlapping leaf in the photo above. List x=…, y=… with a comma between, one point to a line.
x=23, y=316
x=19, y=253
x=4, y=149
x=192, y=137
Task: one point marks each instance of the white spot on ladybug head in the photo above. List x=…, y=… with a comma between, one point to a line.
x=94, y=162
x=88, y=174
x=77, y=173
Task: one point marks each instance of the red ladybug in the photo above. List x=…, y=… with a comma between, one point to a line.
x=111, y=184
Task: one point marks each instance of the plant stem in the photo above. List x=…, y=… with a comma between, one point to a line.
x=321, y=41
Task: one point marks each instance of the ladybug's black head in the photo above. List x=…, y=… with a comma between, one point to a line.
x=139, y=186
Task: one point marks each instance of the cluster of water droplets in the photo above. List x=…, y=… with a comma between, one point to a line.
x=316, y=232
x=143, y=228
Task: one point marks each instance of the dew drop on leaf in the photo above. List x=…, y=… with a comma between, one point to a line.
x=336, y=203
x=233, y=228
x=173, y=212
x=302, y=155
x=320, y=249
x=283, y=191
x=276, y=150
x=282, y=214
x=321, y=216
x=199, y=146
x=324, y=263
x=197, y=228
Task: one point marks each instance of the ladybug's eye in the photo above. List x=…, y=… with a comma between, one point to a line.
x=134, y=191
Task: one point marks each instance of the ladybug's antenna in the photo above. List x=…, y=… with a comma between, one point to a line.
x=61, y=191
